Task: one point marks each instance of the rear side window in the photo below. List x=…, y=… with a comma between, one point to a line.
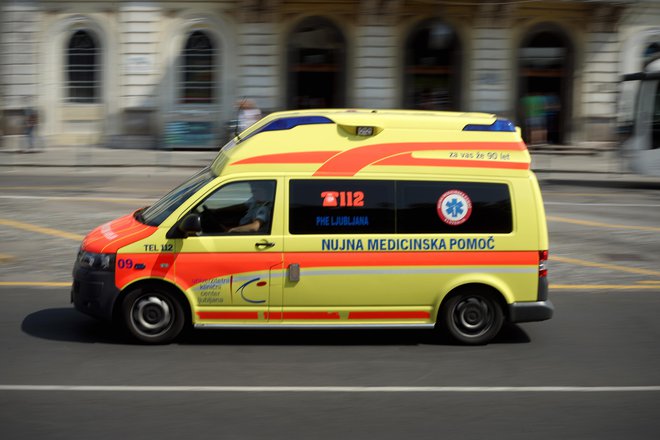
x=453, y=207
x=405, y=207
x=341, y=207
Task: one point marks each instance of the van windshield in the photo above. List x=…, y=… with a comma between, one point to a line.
x=155, y=214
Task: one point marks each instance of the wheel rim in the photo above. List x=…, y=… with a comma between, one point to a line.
x=473, y=316
x=152, y=315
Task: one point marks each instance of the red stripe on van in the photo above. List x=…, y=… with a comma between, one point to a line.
x=304, y=157
x=228, y=315
x=389, y=315
x=317, y=316
x=196, y=267
x=350, y=162
x=375, y=259
x=408, y=160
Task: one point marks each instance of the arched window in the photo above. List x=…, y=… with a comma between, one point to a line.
x=83, y=68
x=198, y=70
x=316, y=65
x=432, y=75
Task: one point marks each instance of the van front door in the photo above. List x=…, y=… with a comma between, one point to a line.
x=231, y=269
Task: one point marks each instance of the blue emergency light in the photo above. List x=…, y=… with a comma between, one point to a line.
x=501, y=125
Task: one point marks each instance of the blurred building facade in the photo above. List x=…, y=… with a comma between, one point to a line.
x=169, y=73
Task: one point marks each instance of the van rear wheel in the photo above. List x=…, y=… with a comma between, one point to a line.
x=472, y=317
x=153, y=315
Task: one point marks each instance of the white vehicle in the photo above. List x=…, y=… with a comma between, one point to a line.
x=641, y=150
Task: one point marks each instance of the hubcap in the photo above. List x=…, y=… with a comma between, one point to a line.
x=152, y=315
x=473, y=316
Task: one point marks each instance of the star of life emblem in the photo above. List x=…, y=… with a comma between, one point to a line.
x=454, y=207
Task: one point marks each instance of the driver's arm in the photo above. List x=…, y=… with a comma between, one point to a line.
x=253, y=226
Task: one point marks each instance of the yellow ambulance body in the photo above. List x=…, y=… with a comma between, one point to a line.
x=334, y=218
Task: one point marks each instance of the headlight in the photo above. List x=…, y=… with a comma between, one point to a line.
x=96, y=261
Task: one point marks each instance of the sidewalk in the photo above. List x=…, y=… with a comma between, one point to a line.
x=584, y=164
x=90, y=156
x=589, y=165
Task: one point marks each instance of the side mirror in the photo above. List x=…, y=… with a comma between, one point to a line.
x=191, y=224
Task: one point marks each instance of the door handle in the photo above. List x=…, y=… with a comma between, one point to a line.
x=264, y=244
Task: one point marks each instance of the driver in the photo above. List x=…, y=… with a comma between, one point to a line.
x=259, y=209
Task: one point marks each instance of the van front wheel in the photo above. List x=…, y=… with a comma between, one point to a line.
x=152, y=315
x=472, y=318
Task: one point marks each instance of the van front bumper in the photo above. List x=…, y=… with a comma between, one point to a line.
x=94, y=292
x=531, y=311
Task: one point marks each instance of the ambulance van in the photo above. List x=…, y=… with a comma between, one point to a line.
x=334, y=219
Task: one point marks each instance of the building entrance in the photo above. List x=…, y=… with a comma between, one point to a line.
x=432, y=72
x=545, y=85
x=316, y=65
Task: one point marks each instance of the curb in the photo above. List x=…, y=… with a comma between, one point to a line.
x=602, y=182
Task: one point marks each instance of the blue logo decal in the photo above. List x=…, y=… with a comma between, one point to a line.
x=240, y=290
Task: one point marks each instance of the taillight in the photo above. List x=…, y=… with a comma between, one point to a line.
x=543, y=264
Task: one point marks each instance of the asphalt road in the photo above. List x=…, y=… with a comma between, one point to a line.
x=593, y=371
x=605, y=340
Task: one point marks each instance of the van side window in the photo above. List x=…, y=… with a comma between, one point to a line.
x=341, y=207
x=468, y=207
x=238, y=207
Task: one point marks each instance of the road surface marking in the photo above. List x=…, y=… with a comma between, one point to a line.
x=333, y=389
x=650, y=286
x=553, y=218
x=634, y=270
x=34, y=284
x=552, y=286
x=5, y=257
x=571, y=194
x=603, y=287
x=559, y=193
x=41, y=229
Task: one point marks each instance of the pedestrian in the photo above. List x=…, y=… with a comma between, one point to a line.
x=248, y=113
x=552, y=108
x=535, y=118
x=30, y=123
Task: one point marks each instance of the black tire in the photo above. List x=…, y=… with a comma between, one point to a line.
x=153, y=315
x=472, y=317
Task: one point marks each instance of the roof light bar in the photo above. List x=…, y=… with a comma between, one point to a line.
x=289, y=123
x=500, y=125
